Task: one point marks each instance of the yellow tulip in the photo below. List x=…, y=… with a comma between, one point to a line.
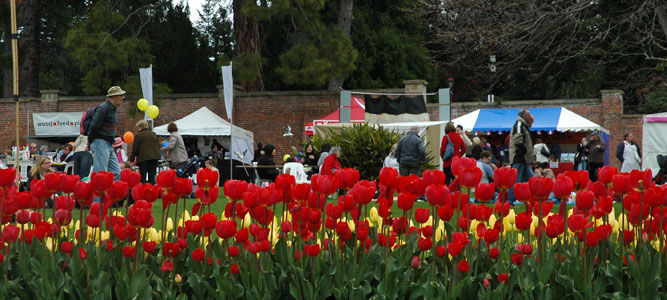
x=374, y=215
x=439, y=233
x=246, y=220
x=510, y=217
x=492, y=220
x=170, y=225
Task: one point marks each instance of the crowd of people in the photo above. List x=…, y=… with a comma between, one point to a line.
x=101, y=149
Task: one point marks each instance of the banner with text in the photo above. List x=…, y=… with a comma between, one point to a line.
x=57, y=124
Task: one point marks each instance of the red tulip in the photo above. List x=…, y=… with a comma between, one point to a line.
x=347, y=178
x=10, y=233
x=183, y=187
x=463, y=266
x=209, y=196
x=433, y=177
x=522, y=192
x=641, y=180
x=585, y=200
x=459, y=163
x=555, y=226
x=502, y=209
x=52, y=181
x=405, y=201
x=503, y=277
x=324, y=184
x=198, y=254
x=23, y=200
x=83, y=193
x=63, y=202
x=167, y=266
x=628, y=236
x=312, y=250
x=415, y=262
x=7, y=177
x=504, y=178
x=445, y=213
x=146, y=191
x=470, y=177
x=579, y=178
x=285, y=182
x=207, y=178
x=422, y=215
x=226, y=228
x=540, y=187
x=234, y=269
x=484, y=192
x=132, y=178
x=23, y=216
x=66, y=247
x=363, y=192
x=166, y=179
x=149, y=247
x=491, y=236
x=118, y=191
x=101, y=181
x=39, y=190
x=62, y=217
x=128, y=251
x=523, y=221
x=67, y=183
x=516, y=258
x=526, y=249
x=140, y=215
x=621, y=184
x=563, y=186
x=592, y=239
x=605, y=174
x=577, y=222
x=494, y=253
x=437, y=195
x=388, y=177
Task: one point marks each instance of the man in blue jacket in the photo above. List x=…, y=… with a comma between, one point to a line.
x=410, y=153
x=102, y=132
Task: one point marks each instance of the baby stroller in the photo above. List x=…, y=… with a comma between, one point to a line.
x=661, y=177
x=189, y=169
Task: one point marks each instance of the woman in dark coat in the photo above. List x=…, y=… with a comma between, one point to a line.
x=146, y=151
x=267, y=160
x=310, y=157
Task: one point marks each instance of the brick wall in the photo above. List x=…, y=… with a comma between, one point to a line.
x=267, y=113
x=264, y=114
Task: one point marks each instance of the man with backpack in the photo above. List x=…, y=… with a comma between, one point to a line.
x=102, y=132
x=521, y=148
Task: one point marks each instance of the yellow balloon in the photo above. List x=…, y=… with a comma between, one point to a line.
x=142, y=104
x=152, y=111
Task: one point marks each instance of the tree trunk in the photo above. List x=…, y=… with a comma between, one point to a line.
x=661, y=11
x=345, y=23
x=29, y=50
x=246, y=34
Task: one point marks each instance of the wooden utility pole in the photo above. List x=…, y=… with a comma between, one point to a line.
x=15, y=73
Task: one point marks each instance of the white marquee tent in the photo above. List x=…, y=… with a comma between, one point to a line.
x=204, y=122
x=654, y=140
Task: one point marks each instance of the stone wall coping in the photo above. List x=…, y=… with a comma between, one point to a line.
x=520, y=103
x=603, y=92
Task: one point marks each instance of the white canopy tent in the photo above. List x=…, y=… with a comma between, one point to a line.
x=204, y=122
x=654, y=140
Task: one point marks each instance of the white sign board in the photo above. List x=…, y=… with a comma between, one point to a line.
x=57, y=124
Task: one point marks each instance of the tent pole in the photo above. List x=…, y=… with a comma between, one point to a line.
x=15, y=72
x=231, y=154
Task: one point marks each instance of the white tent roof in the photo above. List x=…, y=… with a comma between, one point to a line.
x=546, y=119
x=653, y=140
x=204, y=122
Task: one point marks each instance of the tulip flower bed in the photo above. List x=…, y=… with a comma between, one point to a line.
x=321, y=247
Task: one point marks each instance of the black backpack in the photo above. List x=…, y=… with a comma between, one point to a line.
x=86, y=118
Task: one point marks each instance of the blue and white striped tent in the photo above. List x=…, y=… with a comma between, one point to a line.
x=547, y=119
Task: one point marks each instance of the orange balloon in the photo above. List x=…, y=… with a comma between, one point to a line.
x=128, y=137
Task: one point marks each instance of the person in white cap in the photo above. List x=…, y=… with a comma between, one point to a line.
x=102, y=133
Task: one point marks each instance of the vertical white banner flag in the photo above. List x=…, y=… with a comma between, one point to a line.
x=228, y=85
x=146, y=77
